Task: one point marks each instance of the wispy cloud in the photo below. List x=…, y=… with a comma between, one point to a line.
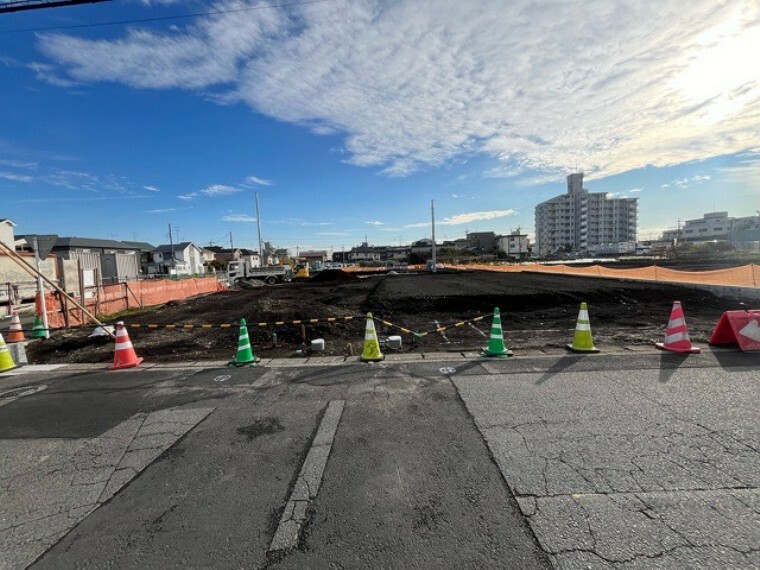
x=85, y=199
x=161, y=210
x=466, y=218
x=219, y=190
x=256, y=181
x=686, y=181
x=745, y=172
x=19, y=163
x=15, y=177
x=238, y=218
x=151, y=188
x=446, y=93
x=188, y=196
x=375, y=223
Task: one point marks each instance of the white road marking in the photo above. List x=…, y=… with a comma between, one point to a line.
x=309, y=480
x=222, y=378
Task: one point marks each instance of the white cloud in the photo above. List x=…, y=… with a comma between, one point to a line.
x=19, y=164
x=467, y=218
x=745, y=172
x=15, y=177
x=375, y=223
x=220, y=190
x=188, y=196
x=161, y=210
x=151, y=188
x=635, y=190
x=238, y=218
x=632, y=86
x=255, y=180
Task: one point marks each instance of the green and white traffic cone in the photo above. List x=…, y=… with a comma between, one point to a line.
x=582, y=340
x=244, y=355
x=38, y=329
x=496, y=345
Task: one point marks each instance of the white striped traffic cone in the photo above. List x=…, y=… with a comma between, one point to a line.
x=677, y=335
x=124, y=354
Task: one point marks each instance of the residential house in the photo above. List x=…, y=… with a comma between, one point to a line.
x=251, y=256
x=184, y=258
x=319, y=256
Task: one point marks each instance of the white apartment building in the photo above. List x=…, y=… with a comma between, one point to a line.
x=516, y=245
x=580, y=220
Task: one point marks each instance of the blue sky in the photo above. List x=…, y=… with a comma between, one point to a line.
x=348, y=117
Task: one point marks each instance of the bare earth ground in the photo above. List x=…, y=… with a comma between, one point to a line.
x=538, y=312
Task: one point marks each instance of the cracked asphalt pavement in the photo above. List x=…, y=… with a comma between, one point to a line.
x=632, y=461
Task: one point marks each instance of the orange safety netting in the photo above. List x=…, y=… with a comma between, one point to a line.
x=744, y=276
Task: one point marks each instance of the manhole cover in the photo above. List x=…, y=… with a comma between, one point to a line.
x=22, y=391
x=222, y=378
x=448, y=370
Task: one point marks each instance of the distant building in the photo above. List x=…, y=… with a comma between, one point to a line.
x=743, y=232
x=481, y=241
x=516, y=245
x=251, y=256
x=579, y=220
x=184, y=258
x=715, y=226
x=314, y=256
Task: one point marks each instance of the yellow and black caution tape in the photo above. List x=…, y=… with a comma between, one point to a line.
x=455, y=325
x=232, y=325
x=399, y=327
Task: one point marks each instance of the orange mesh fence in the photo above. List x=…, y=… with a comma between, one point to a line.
x=744, y=276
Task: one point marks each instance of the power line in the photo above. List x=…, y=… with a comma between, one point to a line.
x=21, y=5
x=163, y=18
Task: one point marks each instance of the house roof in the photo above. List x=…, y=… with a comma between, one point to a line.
x=69, y=242
x=168, y=248
x=143, y=245
x=11, y=222
x=244, y=251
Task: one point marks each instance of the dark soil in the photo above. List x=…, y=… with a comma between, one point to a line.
x=538, y=312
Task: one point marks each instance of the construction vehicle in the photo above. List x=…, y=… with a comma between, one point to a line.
x=243, y=271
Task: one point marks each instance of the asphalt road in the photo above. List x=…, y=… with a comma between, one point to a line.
x=632, y=461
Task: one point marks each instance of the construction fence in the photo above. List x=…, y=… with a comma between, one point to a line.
x=744, y=276
x=109, y=299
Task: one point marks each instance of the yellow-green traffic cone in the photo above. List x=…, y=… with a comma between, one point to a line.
x=496, y=345
x=371, y=351
x=244, y=355
x=582, y=340
x=6, y=360
x=38, y=329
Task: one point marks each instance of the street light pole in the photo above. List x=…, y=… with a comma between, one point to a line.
x=432, y=218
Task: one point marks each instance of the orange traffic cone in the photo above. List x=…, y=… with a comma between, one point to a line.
x=677, y=336
x=15, y=332
x=124, y=356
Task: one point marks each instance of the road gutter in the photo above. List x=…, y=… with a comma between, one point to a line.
x=308, y=482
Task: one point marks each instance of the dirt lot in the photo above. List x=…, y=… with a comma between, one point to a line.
x=538, y=312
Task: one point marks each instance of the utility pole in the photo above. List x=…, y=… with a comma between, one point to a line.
x=258, y=225
x=40, y=288
x=432, y=218
x=171, y=246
